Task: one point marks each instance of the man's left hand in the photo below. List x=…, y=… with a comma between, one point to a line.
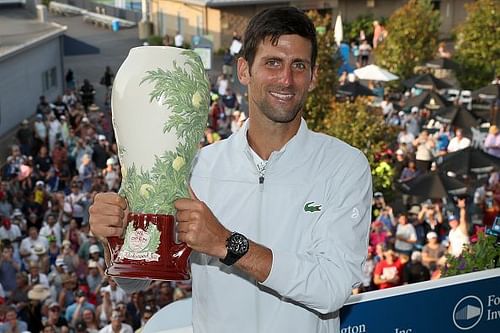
x=199, y=228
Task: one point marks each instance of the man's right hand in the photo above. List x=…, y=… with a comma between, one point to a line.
x=108, y=215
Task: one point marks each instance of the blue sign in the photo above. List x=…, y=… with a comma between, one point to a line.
x=464, y=303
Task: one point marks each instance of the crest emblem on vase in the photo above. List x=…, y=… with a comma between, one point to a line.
x=141, y=244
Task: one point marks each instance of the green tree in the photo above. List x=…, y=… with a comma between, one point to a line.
x=412, y=38
x=364, y=128
x=478, y=46
x=319, y=100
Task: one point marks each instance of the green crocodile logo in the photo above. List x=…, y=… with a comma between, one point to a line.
x=311, y=208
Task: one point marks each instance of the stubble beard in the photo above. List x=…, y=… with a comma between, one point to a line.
x=280, y=115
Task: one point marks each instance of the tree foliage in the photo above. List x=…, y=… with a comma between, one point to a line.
x=412, y=38
x=319, y=100
x=361, y=126
x=478, y=47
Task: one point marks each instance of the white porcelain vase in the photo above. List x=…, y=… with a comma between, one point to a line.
x=160, y=103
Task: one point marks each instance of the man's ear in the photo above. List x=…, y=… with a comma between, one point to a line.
x=314, y=79
x=243, y=71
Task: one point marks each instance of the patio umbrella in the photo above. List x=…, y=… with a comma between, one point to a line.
x=468, y=161
x=374, y=73
x=487, y=113
x=426, y=81
x=444, y=63
x=491, y=91
x=434, y=185
x=338, y=33
x=429, y=99
x=458, y=116
x=354, y=89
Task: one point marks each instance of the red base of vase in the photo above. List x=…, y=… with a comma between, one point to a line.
x=169, y=262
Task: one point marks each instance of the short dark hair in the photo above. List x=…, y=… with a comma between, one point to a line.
x=273, y=23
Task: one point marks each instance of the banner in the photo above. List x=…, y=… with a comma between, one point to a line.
x=464, y=303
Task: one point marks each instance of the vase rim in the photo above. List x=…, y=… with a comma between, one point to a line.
x=155, y=47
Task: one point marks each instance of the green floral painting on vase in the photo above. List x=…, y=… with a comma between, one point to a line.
x=186, y=94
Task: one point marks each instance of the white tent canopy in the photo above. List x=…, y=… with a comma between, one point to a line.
x=374, y=73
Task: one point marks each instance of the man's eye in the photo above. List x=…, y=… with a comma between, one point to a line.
x=273, y=63
x=300, y=66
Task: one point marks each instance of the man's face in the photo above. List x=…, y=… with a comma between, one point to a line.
x=280, y=77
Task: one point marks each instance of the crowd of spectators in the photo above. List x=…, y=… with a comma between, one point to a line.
x=411, y=236
x=52, y=272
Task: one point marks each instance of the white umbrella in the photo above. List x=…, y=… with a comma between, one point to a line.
x=338, y=30
x=374, y=73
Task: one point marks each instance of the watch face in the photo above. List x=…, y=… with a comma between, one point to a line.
x=238, y=244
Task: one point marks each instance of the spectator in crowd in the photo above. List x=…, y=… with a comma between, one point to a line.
x=32, y=313
x=458, y=142
x=388, y=272
x=8, y=269
x=55, y=318
x=432, y=251
x=178, y=39
x=459, y=230
x=492, y=141
x=405, y=236
x=424, y=145
x=117, y=325
x=87, y=93
x=74, y=311
x=12, y=323
x=415, y=271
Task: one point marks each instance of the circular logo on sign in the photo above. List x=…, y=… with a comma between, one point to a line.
x=468, y=312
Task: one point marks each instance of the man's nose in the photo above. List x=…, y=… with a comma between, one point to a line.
x=286, y=76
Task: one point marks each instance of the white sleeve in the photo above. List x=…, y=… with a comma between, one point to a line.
x=322, y=277
x=132, y=285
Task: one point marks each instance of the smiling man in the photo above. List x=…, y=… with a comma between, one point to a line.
x=283, y=253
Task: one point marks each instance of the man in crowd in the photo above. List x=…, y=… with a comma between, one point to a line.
x=306, y=206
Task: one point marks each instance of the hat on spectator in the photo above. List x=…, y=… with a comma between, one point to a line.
x=25, y=122
x=39, y=116
x=414, y=210
x=39, y=292
x=378, y=195
x=400, y=152
x=17, y=212
x=94, y=249
x=39, y=249
x=452, y=218
x=85, y=120
x=60, y=262
x=416, y=256
x=93, y=107
x=377, y=224
x=92, y=264
x=431, y=235
x=39, y=183
x=110, y=161
x=66, y=243
x=101, y=137
x=414, y=109
x=54, y=305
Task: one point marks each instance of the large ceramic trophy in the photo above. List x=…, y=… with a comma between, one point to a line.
x=160, y=104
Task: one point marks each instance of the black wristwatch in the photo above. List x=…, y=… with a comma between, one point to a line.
x=237, y=247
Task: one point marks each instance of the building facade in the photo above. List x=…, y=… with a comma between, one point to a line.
x=31, y=64
x=220, y=18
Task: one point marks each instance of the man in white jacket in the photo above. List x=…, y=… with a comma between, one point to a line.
x=283, y=254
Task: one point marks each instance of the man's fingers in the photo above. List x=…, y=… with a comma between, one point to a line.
x=111, y=198
x=107, y=230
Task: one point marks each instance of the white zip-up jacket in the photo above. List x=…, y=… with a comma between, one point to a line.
x=312, y=209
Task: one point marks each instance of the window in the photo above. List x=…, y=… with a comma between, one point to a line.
x=436, y=4
x=49, y=79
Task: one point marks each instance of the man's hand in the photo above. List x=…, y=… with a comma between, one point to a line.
x=108, y=215
x=199, y=228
